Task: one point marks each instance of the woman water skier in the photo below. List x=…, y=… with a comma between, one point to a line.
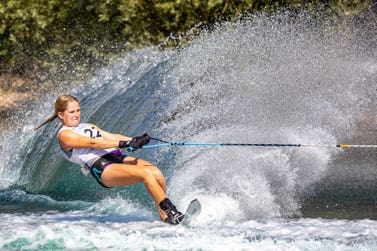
x=97, y=151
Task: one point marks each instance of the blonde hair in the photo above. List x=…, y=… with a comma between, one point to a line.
x=61, y=105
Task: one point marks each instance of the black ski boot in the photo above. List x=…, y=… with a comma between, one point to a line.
x=174, y=216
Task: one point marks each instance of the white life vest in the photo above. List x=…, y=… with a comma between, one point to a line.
x=84, y=156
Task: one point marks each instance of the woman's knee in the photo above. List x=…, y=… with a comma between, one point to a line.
x=158, y=174
x=148, y=175
x=151, y=175
x=150, y=171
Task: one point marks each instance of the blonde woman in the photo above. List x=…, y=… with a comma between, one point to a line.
x=97, y=151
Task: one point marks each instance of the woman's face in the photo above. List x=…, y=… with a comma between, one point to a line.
x=71, y=116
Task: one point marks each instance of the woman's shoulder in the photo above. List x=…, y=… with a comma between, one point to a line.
x=63, y=128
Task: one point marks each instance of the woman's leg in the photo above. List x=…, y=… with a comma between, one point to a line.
x=134, y=171
x=157, y=173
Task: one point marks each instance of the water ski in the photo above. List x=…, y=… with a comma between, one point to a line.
x=192, y=211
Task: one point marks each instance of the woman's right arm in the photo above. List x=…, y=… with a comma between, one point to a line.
x=69, y=140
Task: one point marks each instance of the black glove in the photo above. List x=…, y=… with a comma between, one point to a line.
x=136, y=142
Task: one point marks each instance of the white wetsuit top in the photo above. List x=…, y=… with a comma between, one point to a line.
x=84, y=156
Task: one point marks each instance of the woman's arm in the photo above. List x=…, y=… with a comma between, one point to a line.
x=69, y=140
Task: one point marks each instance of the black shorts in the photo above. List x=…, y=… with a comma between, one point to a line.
x=99, y=165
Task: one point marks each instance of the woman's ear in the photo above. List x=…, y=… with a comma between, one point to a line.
x=60, y=115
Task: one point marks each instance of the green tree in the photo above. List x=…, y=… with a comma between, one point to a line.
x=60, y=35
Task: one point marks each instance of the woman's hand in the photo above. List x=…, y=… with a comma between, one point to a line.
x=136, y=142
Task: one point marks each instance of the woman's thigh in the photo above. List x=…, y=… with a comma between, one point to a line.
x=132, y=171
x=122, y=175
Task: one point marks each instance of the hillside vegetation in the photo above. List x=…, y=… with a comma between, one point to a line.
x=43, y=38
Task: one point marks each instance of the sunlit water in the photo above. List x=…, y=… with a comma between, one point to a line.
x=280, y=79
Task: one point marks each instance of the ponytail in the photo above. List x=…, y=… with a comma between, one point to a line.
x=61, y=105
x=50, y=119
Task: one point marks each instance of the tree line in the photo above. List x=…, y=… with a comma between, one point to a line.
x=44, y=34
